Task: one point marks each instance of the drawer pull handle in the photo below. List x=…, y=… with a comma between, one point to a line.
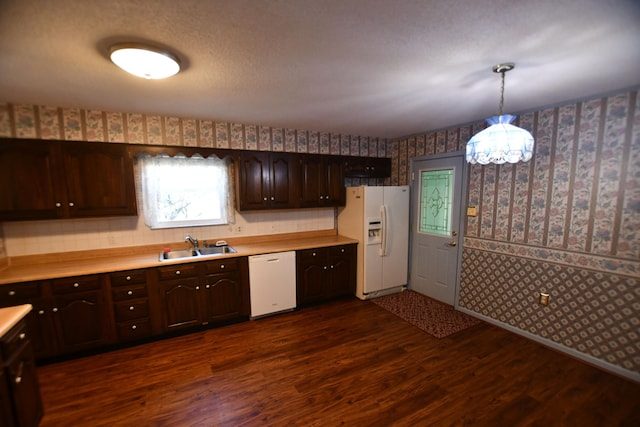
x=76, y=285
x=18, y=379
x=12, y=293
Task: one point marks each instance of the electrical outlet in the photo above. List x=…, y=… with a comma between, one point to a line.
x=544, y=298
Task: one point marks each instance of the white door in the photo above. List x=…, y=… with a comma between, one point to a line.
x=436, y=233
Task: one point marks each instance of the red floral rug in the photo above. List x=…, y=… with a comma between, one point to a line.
x=433, y=317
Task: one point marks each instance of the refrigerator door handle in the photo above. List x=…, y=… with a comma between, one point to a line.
x=383, y=243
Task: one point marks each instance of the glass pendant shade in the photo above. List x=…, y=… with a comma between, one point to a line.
x=145, y=62
x=500, y=143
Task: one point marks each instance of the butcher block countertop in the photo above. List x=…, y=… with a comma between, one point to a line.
x=10, y=316
x=56, y=265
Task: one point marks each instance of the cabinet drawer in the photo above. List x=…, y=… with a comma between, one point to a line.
x=14, y=293
x=221, y=266
x=177, y=271
x=131, y=310
x=14, y=340
x=75, y=284
x=134, y=329
x=312, y=254
x=341, y=250
x=124, y=278
x=129, y=292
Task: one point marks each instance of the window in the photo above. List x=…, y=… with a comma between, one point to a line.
x=185, y=191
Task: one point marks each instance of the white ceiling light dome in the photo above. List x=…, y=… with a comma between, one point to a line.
x=145, y=61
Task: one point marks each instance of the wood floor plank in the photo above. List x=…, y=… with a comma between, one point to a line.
x=345, y=363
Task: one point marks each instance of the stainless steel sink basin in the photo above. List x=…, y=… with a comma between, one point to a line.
x=216, y=250
x=197, y=253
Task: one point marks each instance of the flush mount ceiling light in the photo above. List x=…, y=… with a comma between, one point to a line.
x=144, y=61
x=501, y=142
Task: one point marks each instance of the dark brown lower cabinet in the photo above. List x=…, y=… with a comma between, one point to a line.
x=21, y=404
x=325, y=273
x=204, y=292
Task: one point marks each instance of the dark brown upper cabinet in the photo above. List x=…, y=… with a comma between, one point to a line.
x=367, y=167
x=322, y=181
x=266, y=180
x=63, y=179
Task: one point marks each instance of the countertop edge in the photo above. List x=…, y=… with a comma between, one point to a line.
x=10, y=316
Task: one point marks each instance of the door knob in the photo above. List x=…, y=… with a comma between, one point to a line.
x=453, y=244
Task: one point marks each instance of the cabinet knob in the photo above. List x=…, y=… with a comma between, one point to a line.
x=131, y=308
x=71, y=204
x=129, y=292
x=58, y=205
x=332, y=267
x=128, y=277
x=313, y=254
x=55, y=309
x=222, y=267
x=12, y=293
x=342, y=250
x=178, y=272
x=208, y=286
x=18, y=380
x=325, y=267
x=22, y=335
x=76, y=285
x=40, y=312
x=134, y=327
x=265, y=199
x=197, y=288
x=273, y=198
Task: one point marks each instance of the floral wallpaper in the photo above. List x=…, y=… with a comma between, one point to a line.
x=567, y=222
x=43, y=122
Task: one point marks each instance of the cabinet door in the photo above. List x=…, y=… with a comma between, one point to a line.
x=312, y=188
x=223, y=297
x=253, y=181
x=335, y=192
x=24, y=388
x=180, y=303
x=6, y=410
x=312, y=285
x=282, y=180
x=81, y=320
x=342, y=270
x=99, y=180
x=29, y=183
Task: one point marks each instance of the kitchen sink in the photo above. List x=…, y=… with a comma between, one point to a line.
x=216, y=250
x=197, y=253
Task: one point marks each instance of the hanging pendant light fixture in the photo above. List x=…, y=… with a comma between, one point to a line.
x=144, y=61
x=501, y=142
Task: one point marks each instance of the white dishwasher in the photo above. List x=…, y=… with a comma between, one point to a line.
x=272, y=283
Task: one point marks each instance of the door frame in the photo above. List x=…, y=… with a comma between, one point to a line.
x=462, y=226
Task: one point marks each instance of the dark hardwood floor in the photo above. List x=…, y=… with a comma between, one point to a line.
x=344, y=363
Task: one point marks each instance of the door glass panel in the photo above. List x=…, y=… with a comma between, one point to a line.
x=436, y=200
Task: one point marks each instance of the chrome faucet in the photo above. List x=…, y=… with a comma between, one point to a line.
x=191, y=240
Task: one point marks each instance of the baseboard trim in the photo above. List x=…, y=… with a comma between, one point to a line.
x=601, y=364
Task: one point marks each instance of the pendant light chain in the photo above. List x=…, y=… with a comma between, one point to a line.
x=501, y=93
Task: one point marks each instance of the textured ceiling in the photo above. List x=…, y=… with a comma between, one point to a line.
x=384, y=68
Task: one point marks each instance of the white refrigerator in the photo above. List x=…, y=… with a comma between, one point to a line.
x=378, y=217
